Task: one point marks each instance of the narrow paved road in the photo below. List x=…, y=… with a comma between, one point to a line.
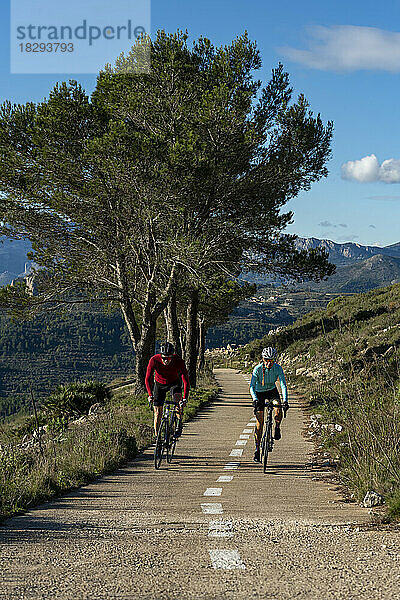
x=209, y=526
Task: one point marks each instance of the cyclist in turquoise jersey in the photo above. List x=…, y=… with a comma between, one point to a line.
x=263, y=388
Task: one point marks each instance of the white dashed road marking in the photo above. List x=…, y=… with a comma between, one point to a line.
x=231, y=466
x=212, y=508
x=213, y=492
x=236, y=452
x=224, y=478
x=241, y=443
x=220, y=529
x=226, y=559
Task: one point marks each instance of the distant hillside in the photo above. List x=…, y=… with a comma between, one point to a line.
x=54, y=349
x=377, y=271
x=343, y=254
x=341, y=339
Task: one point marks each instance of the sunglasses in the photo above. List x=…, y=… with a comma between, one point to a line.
x=166, y=357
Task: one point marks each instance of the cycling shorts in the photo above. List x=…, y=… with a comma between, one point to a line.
x=263, y=396
x=160, y=391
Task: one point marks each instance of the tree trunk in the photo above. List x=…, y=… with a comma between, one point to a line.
x=166, y=323
x=192, y=337
x=143, y=339
x=173, y=333
x=144, y=351
x=131, y=323
x=202, y=343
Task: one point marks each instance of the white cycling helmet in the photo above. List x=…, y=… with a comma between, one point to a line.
x=269, y=353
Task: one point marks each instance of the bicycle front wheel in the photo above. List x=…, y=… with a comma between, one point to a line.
x=172, y=439
x=267, y=441
x=263, y=443
x=160, y=444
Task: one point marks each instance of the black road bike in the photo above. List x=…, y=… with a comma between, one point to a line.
x=166, y=440
x=267, y=441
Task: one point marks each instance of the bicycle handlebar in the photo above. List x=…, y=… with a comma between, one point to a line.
x=283, y=405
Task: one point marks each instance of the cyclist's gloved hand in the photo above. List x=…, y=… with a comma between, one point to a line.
x=150, y=400
x=285, y=406
x=183, y=402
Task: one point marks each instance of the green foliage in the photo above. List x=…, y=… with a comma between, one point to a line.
x=393, y=504
x=57, y=423
x=74, y=399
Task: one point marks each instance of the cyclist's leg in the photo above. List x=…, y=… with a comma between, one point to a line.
x=258, y=434
x=176, y=391
x=259, y=427
x=158, y=410
x=178, y=408
x=258, y=407
x=159, y=393
x=278, y=414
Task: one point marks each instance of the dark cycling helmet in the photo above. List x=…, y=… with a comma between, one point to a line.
x=167, y=349
x=269, y=353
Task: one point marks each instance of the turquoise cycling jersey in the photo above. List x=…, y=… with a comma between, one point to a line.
x=264, y=379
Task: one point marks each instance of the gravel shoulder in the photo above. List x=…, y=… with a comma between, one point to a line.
x=183, y=532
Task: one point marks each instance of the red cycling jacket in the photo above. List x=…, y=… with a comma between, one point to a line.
x=166, y=374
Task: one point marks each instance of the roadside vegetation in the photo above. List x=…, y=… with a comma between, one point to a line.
x=346, y=360
x=80, y=433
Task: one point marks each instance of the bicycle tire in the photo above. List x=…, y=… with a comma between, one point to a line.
x=268, y=437
x=160, y=444
x=263, y=444
x=172, y=445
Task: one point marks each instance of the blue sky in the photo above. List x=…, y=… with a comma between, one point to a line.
x=345, y=58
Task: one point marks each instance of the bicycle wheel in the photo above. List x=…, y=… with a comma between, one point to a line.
x=172, y=439
x=263, y=443
x=160, y=444
x=268, y=438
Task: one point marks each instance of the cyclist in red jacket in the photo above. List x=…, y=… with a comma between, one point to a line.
x=169, y=371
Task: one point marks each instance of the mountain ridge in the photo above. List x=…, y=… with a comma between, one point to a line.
x=342, y=254
x=376, y=271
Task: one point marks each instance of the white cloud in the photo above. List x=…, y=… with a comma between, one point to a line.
x=349, y=47
x=368, y=169
x=329, y=224
x=364, y=170
x=390, y=171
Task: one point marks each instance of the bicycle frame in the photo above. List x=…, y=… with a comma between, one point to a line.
x=267, y=440
x=166, y=442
